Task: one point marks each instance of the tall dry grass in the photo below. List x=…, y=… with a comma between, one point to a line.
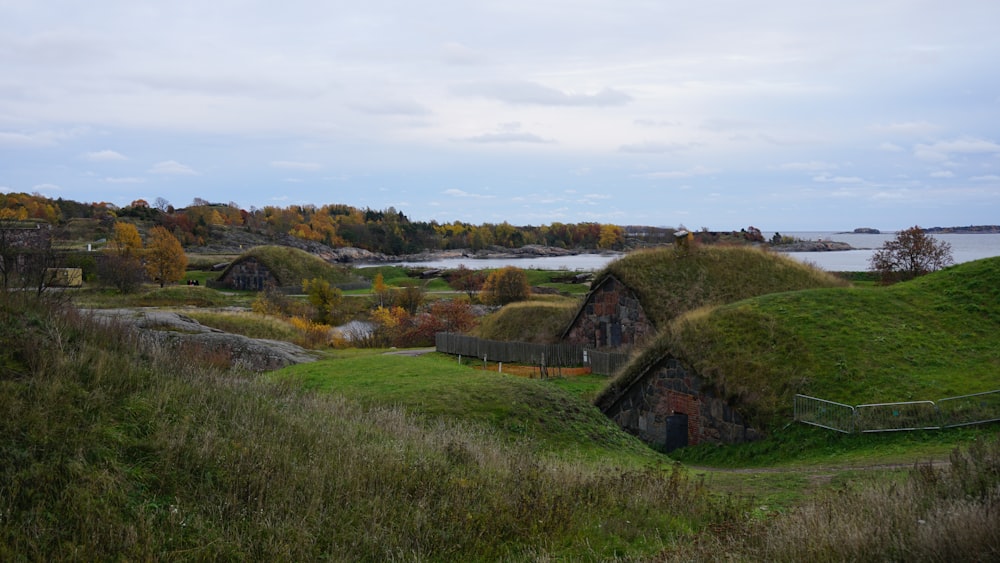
x=114, y=451
x=937, y=513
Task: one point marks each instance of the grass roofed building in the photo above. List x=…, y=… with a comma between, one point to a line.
x=638, y=294
x=660, y=399
x=283, y=267
x=725, y=374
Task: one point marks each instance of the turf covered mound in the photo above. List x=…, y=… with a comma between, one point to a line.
x=540, y=322
x=289, y=267
x=669, y=282
x=934, y=337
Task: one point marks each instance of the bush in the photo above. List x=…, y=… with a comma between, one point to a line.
x=912, y=253
x=506, y=285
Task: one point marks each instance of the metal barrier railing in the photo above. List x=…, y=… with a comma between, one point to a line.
x=825, y=414
x=890, y=417
x=964, y=410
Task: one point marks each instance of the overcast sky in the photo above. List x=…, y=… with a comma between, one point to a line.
x=783, y=114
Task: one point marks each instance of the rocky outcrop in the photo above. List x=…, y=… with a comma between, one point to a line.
x=175, y=331
x=812, y=246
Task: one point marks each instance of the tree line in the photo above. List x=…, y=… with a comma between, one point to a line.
x=385, y=231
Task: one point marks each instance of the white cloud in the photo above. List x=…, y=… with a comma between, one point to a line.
x=391, y=107
x=30, y=140
x=532, y=93
x=656, y=123
x=942, y=174
x=125, y=180
x=696, y=171
x=464, y=194
x=729, y=124
x=654, y=147
x=296, y=165
x=907, y=128
x=943, y=150
x=810, y=166
x=42, y=188
x=838, y=179
x=508, y=137
x=459, y=54
x=172, y=167
x=890, y=147
x=106, y=155
x=986, y=178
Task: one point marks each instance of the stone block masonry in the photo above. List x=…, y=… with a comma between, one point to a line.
x=649, y=409
x=612, y=317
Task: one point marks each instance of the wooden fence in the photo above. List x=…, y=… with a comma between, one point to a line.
x=547, y=355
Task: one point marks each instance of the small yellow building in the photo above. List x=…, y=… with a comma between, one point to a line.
x=64, y=277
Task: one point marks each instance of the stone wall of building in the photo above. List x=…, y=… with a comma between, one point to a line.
x=27, y=238
x=24, y=250
x=649, y=408
x=612, y=317
x=248, y=274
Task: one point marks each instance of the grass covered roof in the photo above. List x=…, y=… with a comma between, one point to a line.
x=933, y=337
x=669, y=282
x=291, y=266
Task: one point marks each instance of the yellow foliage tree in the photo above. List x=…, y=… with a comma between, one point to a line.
x=165, y=258
x=612, y=236
x=381, y=292
x=121, y=266
x=125, y=241
x=505, y=285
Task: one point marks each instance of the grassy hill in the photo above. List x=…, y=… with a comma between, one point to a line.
x=537, y=321
x=113, y=450
x=291, y=266
x=558, y=423
x=669, y=282
x=934, y=337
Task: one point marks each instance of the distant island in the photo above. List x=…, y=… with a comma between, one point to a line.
x=972, y=229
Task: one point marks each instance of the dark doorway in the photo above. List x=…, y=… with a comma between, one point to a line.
x=677, y=432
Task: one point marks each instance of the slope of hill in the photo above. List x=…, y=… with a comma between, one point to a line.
x=289, y=267
x=934, y=337
x=669, y=282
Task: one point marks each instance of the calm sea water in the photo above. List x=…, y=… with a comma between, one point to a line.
x=964, y=248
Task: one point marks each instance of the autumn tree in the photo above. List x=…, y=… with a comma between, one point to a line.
x=165, y=258
x=325, y=298
x=121, y=266
x=410, y=297
x=912, y=253
x=467, y=280
x=505, y=285
x=612, y=237
x=381, y=293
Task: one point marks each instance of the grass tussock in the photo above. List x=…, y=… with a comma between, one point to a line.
x=249, y=324
x=536, y=321
x=936, y=513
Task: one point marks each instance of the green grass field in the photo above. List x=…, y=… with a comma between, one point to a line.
x=556, y=421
